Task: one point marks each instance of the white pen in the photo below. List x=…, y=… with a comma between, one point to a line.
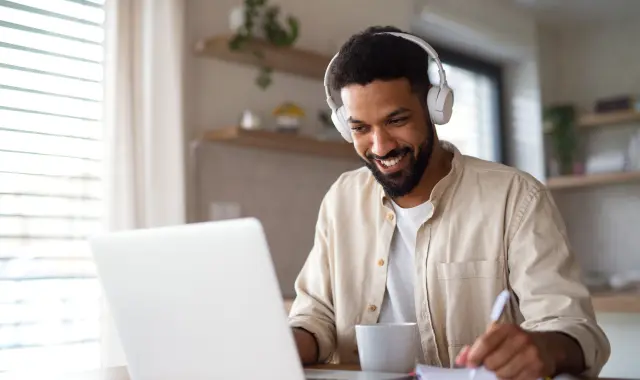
x=496, y=312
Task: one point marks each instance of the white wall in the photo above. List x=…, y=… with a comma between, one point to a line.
x=283, y=190
x=580, y=65
x=503, y=34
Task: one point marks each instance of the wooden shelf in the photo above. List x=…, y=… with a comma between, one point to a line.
x=290, y=60
x=616, y=302
x=282, y=142
x=608, y=119
x=574, y=181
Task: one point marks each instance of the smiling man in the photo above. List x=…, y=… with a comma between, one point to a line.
x=425, y=234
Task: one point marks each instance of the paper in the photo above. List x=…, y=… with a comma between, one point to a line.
x=425, y=372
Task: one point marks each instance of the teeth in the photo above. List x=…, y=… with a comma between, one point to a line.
x=391, y=162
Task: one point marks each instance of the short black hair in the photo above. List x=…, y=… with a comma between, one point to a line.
x=366, y=57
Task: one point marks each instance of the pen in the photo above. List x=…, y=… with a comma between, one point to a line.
x=496, y=312
x=499, y=306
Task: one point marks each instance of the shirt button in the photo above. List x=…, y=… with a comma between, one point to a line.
x=373, y=308
x=390, y=216
x=380, y=262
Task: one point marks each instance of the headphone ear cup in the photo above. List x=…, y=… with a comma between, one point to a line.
x=339, y=118
x=440, y=104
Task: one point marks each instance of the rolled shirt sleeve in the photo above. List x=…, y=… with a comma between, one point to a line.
x=312, y=309
x=546, y=279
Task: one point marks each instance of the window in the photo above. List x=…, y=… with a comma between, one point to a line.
x=475, y=127
x=50, y=182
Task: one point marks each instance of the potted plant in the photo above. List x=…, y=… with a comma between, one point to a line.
x=561, y=121
x=257, y=19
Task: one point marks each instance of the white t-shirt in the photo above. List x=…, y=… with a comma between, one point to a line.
x=398, y=305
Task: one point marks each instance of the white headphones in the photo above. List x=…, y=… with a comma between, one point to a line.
x=439, y=99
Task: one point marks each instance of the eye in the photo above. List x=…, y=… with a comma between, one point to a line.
x=358, y=129
x=397, y=121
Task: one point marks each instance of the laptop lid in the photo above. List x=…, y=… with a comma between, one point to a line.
x=197, y=301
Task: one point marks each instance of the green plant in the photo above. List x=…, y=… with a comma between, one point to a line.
x=258, y=13
x=563, y=134
x=274, y=32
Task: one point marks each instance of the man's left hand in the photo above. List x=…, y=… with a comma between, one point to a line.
x=510, y=352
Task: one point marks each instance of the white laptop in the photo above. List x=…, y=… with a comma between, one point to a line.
x=201, y=301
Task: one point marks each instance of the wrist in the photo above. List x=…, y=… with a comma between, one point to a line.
x=307, y=345
x=564, y=351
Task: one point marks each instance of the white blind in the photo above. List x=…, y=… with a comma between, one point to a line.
x=50, y=182
x=474, y=118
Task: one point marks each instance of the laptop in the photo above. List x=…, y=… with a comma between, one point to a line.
x=201, y=301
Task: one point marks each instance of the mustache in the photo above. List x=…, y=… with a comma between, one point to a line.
x=398, y=152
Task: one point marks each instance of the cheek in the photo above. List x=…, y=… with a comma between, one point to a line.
x=415, y=136
x=361, y=147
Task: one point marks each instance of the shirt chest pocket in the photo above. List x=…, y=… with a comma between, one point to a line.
x=469, y=289
x=467, y=270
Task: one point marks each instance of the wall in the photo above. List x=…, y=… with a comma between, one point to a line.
x=500, y=33
x=580, y=65
x=283, y=190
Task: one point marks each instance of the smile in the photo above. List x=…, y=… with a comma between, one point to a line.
x=391, y=163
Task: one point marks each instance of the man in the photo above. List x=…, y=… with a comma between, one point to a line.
x=423, y=234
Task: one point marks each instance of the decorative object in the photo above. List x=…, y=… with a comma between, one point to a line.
x=249, y=120
x=618, y=103
x=239, y=19
x=561, y=122
x=288, y=117
x=633, y=153
x=260, y=19
x=606, y=162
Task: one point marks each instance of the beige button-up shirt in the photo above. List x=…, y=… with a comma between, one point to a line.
x=492, y=228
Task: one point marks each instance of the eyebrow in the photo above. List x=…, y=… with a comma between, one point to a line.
x=395, y=113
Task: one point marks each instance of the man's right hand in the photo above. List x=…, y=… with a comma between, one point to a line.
x=307, y=346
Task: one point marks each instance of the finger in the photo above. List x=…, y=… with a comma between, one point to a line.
x=508, y=350
x=487, y=343
x=461, y=359
x=513, y=368
x=534, y=366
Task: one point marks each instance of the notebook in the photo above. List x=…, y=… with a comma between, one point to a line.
x=425, y=372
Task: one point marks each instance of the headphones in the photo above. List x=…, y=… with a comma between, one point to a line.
x=439, y=98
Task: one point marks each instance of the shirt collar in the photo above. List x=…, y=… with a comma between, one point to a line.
x=443, y=185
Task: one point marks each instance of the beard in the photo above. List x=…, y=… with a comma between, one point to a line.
x=402, y=182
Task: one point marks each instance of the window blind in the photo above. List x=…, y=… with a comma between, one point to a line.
x=51, y=72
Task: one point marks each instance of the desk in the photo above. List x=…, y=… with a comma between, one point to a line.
x=120, y=373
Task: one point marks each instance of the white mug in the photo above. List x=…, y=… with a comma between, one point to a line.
x=391, y=347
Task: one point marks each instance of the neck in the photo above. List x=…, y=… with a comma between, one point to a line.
x=438, y=168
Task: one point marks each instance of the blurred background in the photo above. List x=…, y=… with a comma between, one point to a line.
x=139, y=113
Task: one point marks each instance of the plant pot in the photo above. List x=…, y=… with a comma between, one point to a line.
x=237, y=19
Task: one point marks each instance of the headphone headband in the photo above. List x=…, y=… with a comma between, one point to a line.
x=418, y=41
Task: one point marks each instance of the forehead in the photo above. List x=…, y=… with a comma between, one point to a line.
x=377, y=99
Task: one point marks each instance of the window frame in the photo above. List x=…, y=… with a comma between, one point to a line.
x=496, y=73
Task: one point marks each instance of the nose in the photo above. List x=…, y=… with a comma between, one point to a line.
x=383, y=142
